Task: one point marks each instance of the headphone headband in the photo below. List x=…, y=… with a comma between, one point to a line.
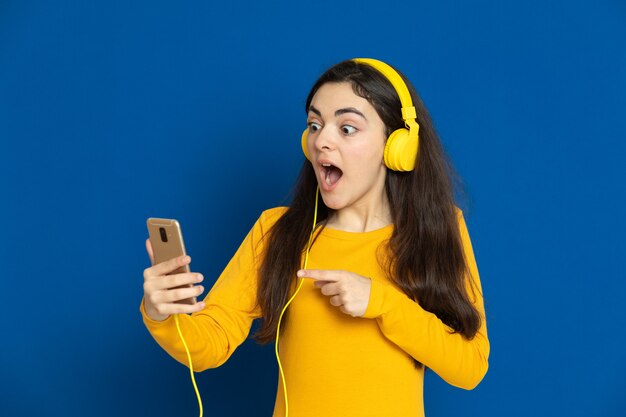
x=408, y=111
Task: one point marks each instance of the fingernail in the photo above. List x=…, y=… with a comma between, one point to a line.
x=201, y=288
x=300, y=273
x=186, y=259
x=199, y=278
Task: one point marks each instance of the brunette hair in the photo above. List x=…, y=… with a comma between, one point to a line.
x=425, y=251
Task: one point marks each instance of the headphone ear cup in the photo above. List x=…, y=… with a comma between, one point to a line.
x=305, y=134
x=400, y=151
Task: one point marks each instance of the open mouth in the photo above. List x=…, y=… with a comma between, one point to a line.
x=330, y=174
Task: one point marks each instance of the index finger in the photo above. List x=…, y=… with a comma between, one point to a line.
x=320, y=274
x=166, y=267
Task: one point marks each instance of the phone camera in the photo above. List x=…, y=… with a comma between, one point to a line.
x=163, y=234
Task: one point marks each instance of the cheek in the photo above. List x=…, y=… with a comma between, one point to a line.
x=367, y=163
x=370, y=154
x=310, y=143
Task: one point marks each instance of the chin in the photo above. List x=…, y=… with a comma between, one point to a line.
x=332, y=202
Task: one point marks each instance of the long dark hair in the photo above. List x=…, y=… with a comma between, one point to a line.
x=426, y=258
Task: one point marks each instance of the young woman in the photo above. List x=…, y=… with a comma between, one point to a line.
x=391, y=286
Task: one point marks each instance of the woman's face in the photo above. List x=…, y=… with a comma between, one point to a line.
x=346, y=141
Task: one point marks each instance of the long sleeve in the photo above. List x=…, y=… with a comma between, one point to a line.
x=214, y=333
x=460, y=362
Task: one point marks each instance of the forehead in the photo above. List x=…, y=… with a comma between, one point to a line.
x=334, y=96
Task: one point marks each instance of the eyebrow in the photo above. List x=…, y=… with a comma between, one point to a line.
x=339, y=112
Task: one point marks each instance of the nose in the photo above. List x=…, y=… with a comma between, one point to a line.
x=324, y=140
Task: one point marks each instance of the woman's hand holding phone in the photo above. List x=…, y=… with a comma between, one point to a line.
x=161, y=297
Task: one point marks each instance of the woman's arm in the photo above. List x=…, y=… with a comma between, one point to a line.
x=214, y=333
x=460, y=362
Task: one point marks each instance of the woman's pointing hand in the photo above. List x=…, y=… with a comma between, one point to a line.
x=347, y=290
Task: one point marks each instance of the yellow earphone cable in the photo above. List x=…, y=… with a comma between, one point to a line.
x=306, y=260
x=193, y=379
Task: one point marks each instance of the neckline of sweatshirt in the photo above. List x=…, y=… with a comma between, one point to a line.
x=357, y=236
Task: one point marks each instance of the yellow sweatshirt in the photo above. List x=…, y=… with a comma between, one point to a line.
x=334, y=364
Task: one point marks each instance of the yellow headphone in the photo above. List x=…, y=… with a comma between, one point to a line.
x=402, y=145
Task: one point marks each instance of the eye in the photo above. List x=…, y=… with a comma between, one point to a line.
x=313, y=127
x=348, y=130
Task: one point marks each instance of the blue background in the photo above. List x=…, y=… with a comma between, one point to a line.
x=112, y=112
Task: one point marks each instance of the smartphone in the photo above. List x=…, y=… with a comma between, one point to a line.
x=167, y=242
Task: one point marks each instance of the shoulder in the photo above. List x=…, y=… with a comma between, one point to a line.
x=273, y=214
x=269, y=217
x=460, y=216
x=259, y=232
x=463, y=232
x=462, y=225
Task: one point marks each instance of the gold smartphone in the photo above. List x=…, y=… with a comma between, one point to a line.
x=167, y=242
